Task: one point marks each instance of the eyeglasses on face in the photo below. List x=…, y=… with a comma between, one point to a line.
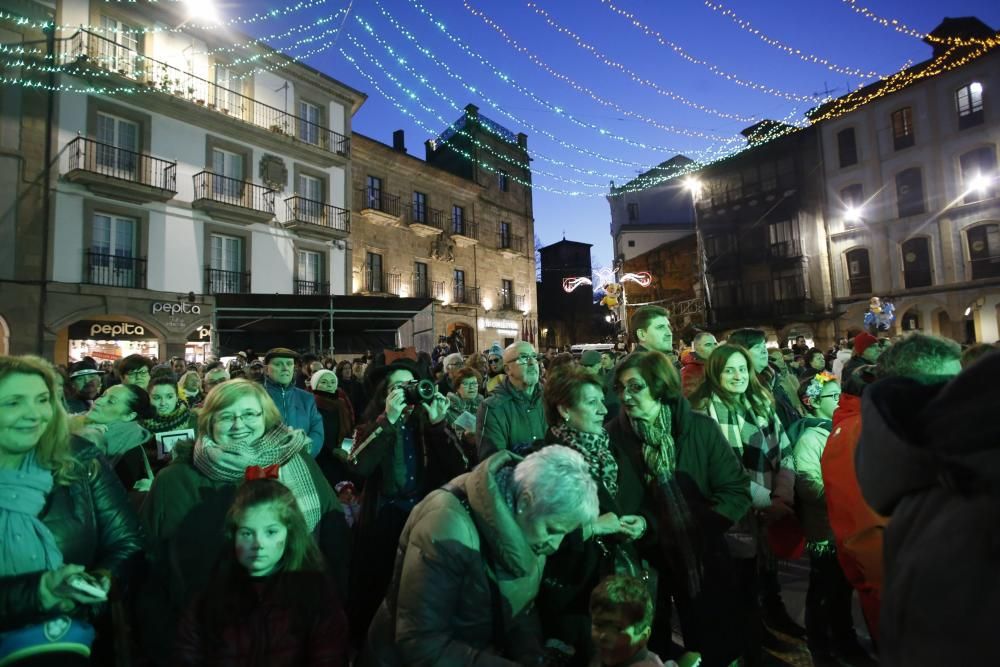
x=525, y=359
x=249, y=417
x=632, y=388
x=138, y=373
x=833, y=396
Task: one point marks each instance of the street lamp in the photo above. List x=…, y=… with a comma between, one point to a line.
x=979, y=183
x=201, y=12
x=852, y=214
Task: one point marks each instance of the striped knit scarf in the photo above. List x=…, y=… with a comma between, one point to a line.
x=176, y=420
x=281, y=445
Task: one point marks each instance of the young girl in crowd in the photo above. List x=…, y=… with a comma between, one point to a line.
x=269, y=602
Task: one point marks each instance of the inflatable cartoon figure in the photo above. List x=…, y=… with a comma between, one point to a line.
x=612, y=291
x=880, y=315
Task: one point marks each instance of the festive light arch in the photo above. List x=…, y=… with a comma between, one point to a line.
x=904, y=29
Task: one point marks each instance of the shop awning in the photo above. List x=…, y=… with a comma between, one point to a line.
x=356, y=323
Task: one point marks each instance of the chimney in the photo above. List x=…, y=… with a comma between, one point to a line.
x=398, y=141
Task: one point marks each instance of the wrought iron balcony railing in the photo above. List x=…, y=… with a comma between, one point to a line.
x=232, y=191
x=311, y=287
x=114, y=270
x=377, y=200
x=161, y=77
x=114, y=162
x=300, y=209
x=219, y=281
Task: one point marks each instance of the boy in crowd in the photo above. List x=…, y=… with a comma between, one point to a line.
x=621, y=620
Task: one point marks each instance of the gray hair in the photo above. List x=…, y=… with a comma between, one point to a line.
x=917, y=355
x=560, y=484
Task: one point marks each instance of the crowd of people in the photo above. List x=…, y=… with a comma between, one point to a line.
x=504, y=507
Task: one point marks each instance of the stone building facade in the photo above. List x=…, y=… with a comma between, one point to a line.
x=440, y=229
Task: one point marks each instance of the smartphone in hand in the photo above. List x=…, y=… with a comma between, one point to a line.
x=88, y=585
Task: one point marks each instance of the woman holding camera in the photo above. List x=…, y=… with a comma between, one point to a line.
x=403, y=450
x=67, y=531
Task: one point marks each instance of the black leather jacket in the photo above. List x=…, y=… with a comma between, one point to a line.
x=93, y=524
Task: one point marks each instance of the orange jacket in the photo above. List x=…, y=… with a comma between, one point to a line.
x=856, y=527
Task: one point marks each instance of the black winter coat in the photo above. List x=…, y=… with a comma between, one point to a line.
x=93, y=524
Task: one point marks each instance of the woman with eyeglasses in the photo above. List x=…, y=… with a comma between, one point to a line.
x=239, y=428
x=693, y=490
x=465, y=398
x=745, y=411
x=828, y=600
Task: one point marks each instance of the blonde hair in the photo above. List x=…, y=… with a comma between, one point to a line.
x=53, y=450
x=227, y=393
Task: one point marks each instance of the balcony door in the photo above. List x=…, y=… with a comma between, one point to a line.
x=226, y=99
x=374, y=193
x=226, y=265
x=227, y=184
x=373, y=271
x=984, y=251
x=119, y=47
x=310, y=191
x=118, y=147
x=917, y=263
x=112, y=251
x=310, y=272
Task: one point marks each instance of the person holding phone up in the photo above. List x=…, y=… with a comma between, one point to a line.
x=67, y=530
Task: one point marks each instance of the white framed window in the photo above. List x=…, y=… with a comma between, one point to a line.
x=119, y=50
x=112, y=250
x=309, y=130
x=227, y=98
x=118, y=141
x=309, y=269
x=228, y=168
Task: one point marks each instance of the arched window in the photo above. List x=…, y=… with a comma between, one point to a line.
x=917, y=263
x=859, y=273
x=984, y=250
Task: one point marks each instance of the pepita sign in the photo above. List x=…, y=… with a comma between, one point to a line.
x=116, y=329
x=176, y=308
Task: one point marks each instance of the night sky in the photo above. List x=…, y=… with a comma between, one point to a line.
x=619, y=126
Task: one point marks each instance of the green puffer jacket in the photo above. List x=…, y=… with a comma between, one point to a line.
x=510, y=419
x=438, y=609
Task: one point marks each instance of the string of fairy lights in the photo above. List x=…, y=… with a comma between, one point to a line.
x=281, y=48
x=902, y=28
x=787, y=49
x=372, y=33
x=580, y=88
x=711, y=67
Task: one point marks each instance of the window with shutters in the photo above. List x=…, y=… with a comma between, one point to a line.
x=909, y=192
x=847, y=147
x=969, y=105
x=917, y=262
x=902, y=128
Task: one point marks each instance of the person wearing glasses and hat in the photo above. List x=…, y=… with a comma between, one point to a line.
x=83, y=387
x=494, y=368
x=297, y=406
x=513, y=416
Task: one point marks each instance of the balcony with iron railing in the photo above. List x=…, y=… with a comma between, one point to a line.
x=114, y=270
x=232, y=199
x=177, y=84
x=790, y=305
x=314, y=218
x=438, y=290
x=507, y=300
x=424, y=221
x=381, y=282
x=420, y=288
x=464, y=232
x=985, y=267
x=378, y=207
x=115, y=171
x=510, y=244
x=219, y=281
x=465, y=294
x=311, y=287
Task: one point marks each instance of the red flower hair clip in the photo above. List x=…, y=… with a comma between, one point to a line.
x=256, y=472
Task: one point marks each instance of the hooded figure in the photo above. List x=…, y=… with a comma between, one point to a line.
x=928, y=457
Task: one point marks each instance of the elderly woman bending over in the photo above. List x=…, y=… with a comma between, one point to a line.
x=470, y=562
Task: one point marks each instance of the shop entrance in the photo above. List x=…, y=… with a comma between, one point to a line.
x=111, y=340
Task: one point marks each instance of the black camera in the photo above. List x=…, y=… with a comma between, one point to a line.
x=418, y=391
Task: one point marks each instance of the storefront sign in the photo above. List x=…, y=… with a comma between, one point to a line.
x=94, y=330
x=489, y=323
x=201, y=334
x=176, y=308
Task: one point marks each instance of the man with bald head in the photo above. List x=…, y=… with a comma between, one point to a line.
x=512, y=417
x=693, y=362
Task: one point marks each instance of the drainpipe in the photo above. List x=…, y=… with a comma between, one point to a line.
x=50, y=43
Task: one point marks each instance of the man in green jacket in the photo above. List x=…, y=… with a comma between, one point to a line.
x=513, y=417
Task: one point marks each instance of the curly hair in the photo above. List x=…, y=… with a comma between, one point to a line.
x=53, y=450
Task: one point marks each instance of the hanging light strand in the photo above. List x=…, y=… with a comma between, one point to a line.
x=475, y=54
x=904, y=29
x=373, y=33
x=797, y=53
x=711, y=67
x=580, y=88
